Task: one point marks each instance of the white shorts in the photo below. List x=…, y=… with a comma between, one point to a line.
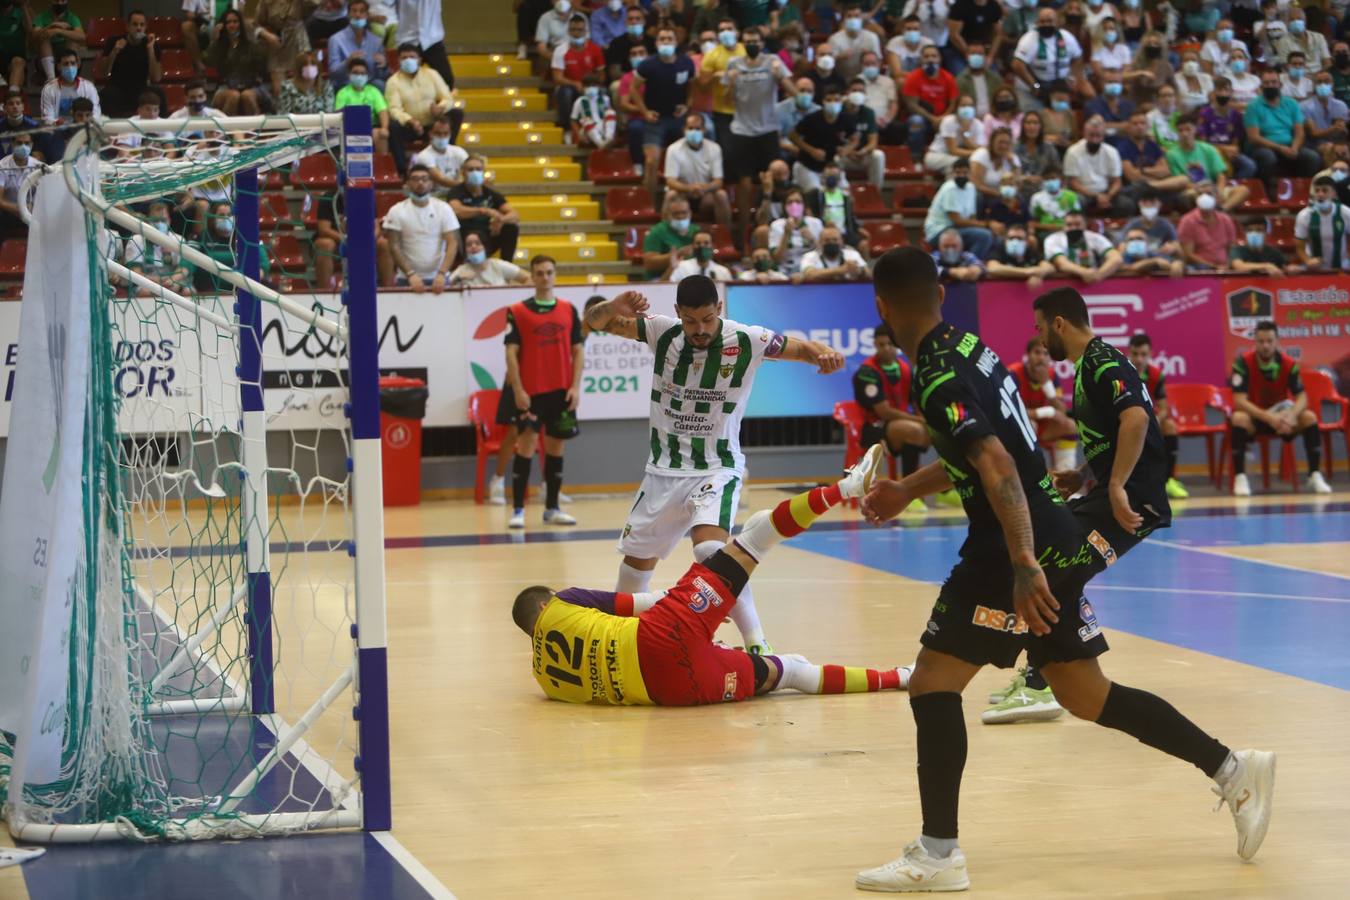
x=668, y=506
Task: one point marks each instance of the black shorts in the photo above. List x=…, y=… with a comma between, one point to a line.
x=973, y=617
x=547, y=408
x=1263, y=428
x=748, y=157
x=1109, y=541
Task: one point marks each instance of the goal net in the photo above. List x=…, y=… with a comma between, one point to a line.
x=192, y=622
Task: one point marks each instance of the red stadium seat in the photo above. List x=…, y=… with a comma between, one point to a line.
x=175, y=97
x=630, y=205
x=167, y=30
x=883, y=236
x=1188, y=405
x=13, y=254
x=900, y=163
x=868, y=203
x=98, y=30
x=1292, y=193
x=177, y=66
x=1281, y=231
x=724, y=248
x=288, y=259
x=386, y=173
x=1333, y=412
x=318, y=172
x=487, y=433
x=1257, y=203
x=612, y=167
x=914, y=196
x=632, y=244
x=273, y=214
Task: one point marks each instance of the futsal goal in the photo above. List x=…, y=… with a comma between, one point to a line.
x=192, y=611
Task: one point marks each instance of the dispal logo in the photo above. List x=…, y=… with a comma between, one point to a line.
x=1248, y=307
x=998, y=620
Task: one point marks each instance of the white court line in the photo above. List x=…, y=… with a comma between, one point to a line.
x=1208, y=551
x=420, y=873
x=1157, y=590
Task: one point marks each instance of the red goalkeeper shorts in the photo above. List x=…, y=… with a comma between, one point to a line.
x=680, y=664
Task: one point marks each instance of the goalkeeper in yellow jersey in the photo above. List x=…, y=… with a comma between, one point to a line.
x=658, y=649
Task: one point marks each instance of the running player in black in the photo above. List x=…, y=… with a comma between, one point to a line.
x=1018, y=585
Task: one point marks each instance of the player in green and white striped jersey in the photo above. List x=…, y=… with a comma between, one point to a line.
x=704, y=369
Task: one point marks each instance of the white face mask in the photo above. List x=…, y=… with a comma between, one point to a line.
x=1149, y=212
x=1205, y=202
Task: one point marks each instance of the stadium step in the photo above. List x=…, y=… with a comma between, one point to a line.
x=556, y=208
x=501, y=99
x=514, y=134
x=569, y=248
x=504, y=171
x=485, y=65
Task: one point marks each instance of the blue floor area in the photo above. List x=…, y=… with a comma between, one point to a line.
x=1169, y=589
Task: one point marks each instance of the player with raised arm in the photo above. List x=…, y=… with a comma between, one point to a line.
x=657, y=649
x=1018, y=585
x=702, y=375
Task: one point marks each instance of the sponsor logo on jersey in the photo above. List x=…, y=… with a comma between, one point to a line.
x=729, y=686
x=731, y=351
x=1102, y=546
x=704, y=596
x=932, y=627
x=1090, y=628
x=998, y=620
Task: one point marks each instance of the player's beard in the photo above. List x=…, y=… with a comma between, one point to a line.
x=1055, y=345
x=700, y=340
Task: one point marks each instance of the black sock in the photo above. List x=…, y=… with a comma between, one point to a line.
x=1173, y=444
x=1239, y=450
x=1151, y=720
x=1035, y=680
x=1312, y=448
x=909, y=462
x=520, y=479
x=942, y=757
x=552, y=480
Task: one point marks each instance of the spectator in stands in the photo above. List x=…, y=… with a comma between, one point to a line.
x=832, y=260
x=280, y=32
x=417, y=95
x=1110, y=54
x=1340, y=70
x=693, y=167
x=1246, y=85
x=973, y=26
x=1004, y=113
x=851, y=41
x=1008, y=208
x=1268, y=398
x=791, y=111
x=326, y=21
x=307, y=91
x=712, y=75
x=1324, y=115
x=81, y=113
x=573, y=60
x=863, y=156
x=594, y=122
x=700, y=97
x=792, y=46
x=1294, y=81
x=1193, y=84
x=242, y=65
x=953, y=261
x=991, y=165
x=328, y=238
x=357, y=41
x=1053, y=202
x=619, y=52
x=1045, y=56
x=824, y=75
x=199, y=23
x=1093, y=169
x=423, y=237
x=1016, y=22
x=1162, y=118
x=54, y=29
x=792, y=236
x=667, y=242
x=1142, y=161
x=608, y=22
x=1142, y=257
x=1017, y=257
x=956, y=206
x=1220, y=123
x=195, y=104
x=1082, y=254
x=762, y=268
x=151, y=145
x=1061, y=125
x=17, y=165
x=934, y=24
x=528, y=13
x=16, y=25
x=421, y=23
x=1151, y=67
x=882, y=99
x=699, y=262
x=958, y=136
x=1206, y=232
x=1321, y=228
x=1216, y=54
x=822, y=137
x=481, y=270
x=634, y=125
x=1111, y=105
x=217, y=242
x=15, y=120
x=444, y=160
x=751, y=142
x=1034, y=152
x=551, y=30
x=1300, y=39
x=660, y=91
x=1254, y=256
x=833, y=205
x=1276, y=132
x=130, y=63
x=978, y=81
x=1158, y=229
x=359, y=91
x=1201, y=163
x=904, y=52
x=60, y=92
x=164, y=267
x=774, y=184
x=483, y=211
x=930, y=94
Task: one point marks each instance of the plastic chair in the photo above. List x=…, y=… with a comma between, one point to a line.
x=630, y=205
x=175, y=97
x=167, y=30
x=317, y=172
x=273, y=214
x=917, y=195
x=488, y=436
x=885, y=235
x=632, y=244
x=386, y=173
x=1257, y=203
x=1188, y=405
x=612, y=166
x=1322, y=398
x=287, y=256
x=900, y=163
x=97, y=30
x=176, y=66
x=868, y=203
x=724, y=248
x=12, y=257
x=1281, y=230
x=1292, y=193
x=1288, y=462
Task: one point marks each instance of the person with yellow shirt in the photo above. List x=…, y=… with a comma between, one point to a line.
x=417, y=96
x=712, y=76
x=655, y=649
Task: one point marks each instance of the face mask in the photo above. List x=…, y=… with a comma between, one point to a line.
x=930, y=69
x=752, y=50
x=1270, y=93
x=832, y=181
x=1206, y=202
x=635, y=31
x=68, y=73
x=857, y=98
x=871, y=72
x=1342, y=59
x=1131, y=4
x=161, y=226
x=1052, y=185
x=1059, y=105
x=795, y=209
x=703, y=254
x=912, y=38
x=961, y=181
x=965, y=113
x=1191, y=67
x=579, y=41
x=409, y=65
x=1295, y=73
x=1323, y=206
x=1075, y=235
x=592, y=91
x=358, y=24
x=1298, y=26
x=477, y=257
x=225, y=225
x=1112, y=88
x=803, y=101
x=853, y=24
x=763, y=265
x=727, y=38
x=1111, y=36
x=1005, y=105
x=421, y=198
x=1153, y=51
x=1008, y=191
x=1094, y=3
x=826, y=63
x=1238, y=66
x=1338, y=175
x=1094, y=147
x=309, y=73
x=1149, y=212
x=21, y=151
x=1221, y=99
x=563, y=7
x=1322, y=90
x=359, y=80
x=1015, y=246
x=1136, y=248
x=833, y=109
x=439, y=144
x=1225, y=35
x=614, y=5
x=1047, y=31
x=474, y=177
x=693, y=138
x=680, y=225
x=666, y=51
x=708, y=47
x=135, y=38
x=976, y=60
x=950, y=256
x=1256, y=240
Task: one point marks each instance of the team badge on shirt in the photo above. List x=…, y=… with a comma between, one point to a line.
x=1089, y=629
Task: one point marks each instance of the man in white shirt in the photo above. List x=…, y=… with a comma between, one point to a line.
x=164, y=267
x=421, y=237
x=442, y=158
x=1217, y=52
x=762, y=269
x=480, y=270
x=833, y=260
x=955, y=206
x=61, y=91
x=1082, y=254
x=1294, y=82
x=1093, y=169
x=1321, y=228
x=904, y=52
x=1044, y=56
x=196, y=105
x=700, y=262
x=552, y=28
x=851, y=41
x=883, y=99
x=694, y=168
x=13, y=170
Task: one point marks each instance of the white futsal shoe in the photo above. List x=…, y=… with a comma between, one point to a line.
x=1249, y=797
x=558, y=517
x=1318, y=483
x=517, y=519
x=863, y=474
x=497, y=491
x=916, y=871
x=1241, y=486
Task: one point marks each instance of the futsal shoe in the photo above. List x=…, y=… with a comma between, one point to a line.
x=497, y=491
x=863, y=474
x=1024, y=705
x=949, y=498
x=916, y=508
x=905, y=673
x=1241, y=486
x=517, y=519
x=1018, y=682
x=916, y=871
x=1249, y=795
x=558, y=517
x=763, y=648
x=1318, y=484
x=1176, y=490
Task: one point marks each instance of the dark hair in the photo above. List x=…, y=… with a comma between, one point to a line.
x=539, y=258
x=1267, y=325
x=1324, y=181
x=1058, y=86
x=1222, y=81
x=1140, y=339
x=82, y=104
x=525, y=611
x=409, y=45
x=148, y=97
x=696, y=292
x=592, y=300
x=194, y=85
x=418, y=167
x=1064, y=303
x=883, y=330
x=355, y=61
x=137, y=12
x=904, y=272
x=961, y=162
x=1032, y=342
x=1147, y=192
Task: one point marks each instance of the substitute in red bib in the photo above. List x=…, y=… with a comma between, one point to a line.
x=1035, y=377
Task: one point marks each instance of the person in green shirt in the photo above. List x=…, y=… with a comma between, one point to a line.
x=53, y=29
x=217, y=243
x=666, y=244
x=1203, y=164
x=16, y=23
x=1052, y=203
x=358, y=91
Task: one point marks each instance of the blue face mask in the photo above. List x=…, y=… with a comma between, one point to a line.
x=680, y=225
x=1295, y=73
x=1059, y=105
x=1256, y=240
x=359, y=80
x=1052, y=185
x=693, y=138
x=410, y=65
x=1111, y=36
x=965, y=113
x=579, y=41
x=1136, y=249
x=1323, y=206
x=225, y=224
x=833, y=109
x=358, y=23
x=871, y=72
x=477, y=257
x=912, y=38
x=976, y=60
x=21, y=151
x=727, y=39
x=161, y=226
x=1323, y=90
x=474, y=177
x=1238, y=66
x=667, y=51
x=1015, y=246
x=1007, y=191
x=1112, y=88
x=1298, y=26
x=439, y=144
x=69, y=73
x=1224, y=35
x=803, y=101
x=853, y=24
x=636, y=31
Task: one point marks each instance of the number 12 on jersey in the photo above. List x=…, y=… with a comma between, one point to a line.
x=1011, y=407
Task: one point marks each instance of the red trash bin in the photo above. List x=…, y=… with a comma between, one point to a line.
x=403, y=405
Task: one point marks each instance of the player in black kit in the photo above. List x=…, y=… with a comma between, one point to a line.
x=1018, y=585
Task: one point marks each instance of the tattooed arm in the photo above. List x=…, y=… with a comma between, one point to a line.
x=1032, y=599
x=618, y=316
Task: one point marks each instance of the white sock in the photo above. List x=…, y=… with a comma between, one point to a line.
x=633, y=581
x=799, y=674
x=49, y=67
x=1228, y=771
x=497, y=479
x=938, y=848
x=757, y=536
x=743, y=613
